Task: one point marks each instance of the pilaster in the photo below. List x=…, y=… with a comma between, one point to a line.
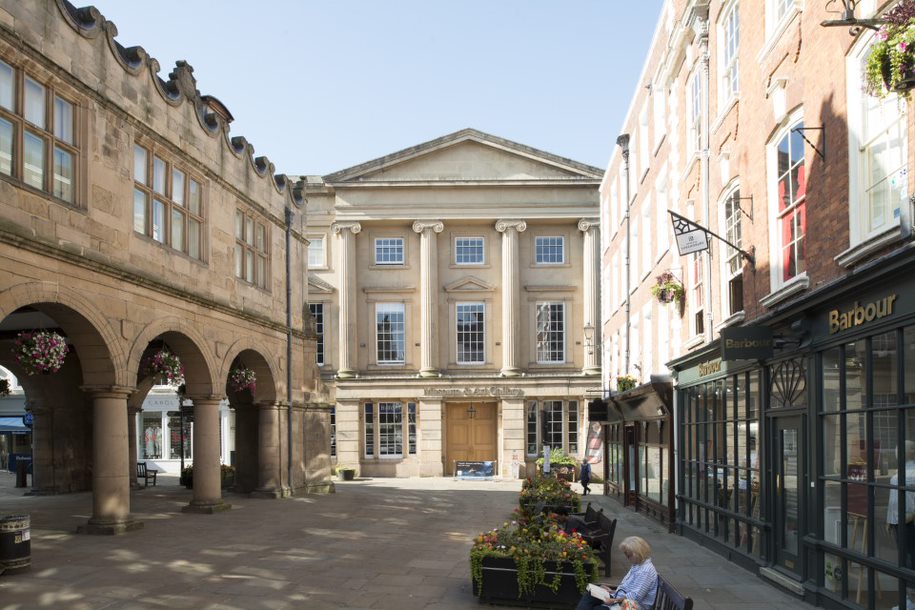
x=511, y=294
x=430, y=441
x=428, y=295
x=347, y=231
x=591, y=290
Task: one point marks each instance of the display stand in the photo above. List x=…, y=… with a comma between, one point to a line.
x=859, y=530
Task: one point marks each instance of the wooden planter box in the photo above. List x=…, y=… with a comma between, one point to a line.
x=500, y=585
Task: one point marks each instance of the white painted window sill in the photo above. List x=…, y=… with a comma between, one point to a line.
x=694, y=342
x=792, y=287
x=735, y=318
x=857, y=253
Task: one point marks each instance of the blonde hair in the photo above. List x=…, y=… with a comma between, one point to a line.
x=637, y=547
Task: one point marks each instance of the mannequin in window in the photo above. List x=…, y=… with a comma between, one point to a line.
x=151, y=439
x=908, y=520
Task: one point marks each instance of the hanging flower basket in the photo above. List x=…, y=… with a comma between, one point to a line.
x=625, y=383
x=891, y=63
x=242, y=379
x=4, y=387
x=668, y=289
x=40, y=351
x=165, y=366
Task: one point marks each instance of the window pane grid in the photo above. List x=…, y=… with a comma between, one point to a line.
x=37, y=140
x=468, y=251
x=470, y=333
x=573, y=427
x=390, y=333
x=316, y=251
x=390, y=429
x=550, y=332
x=532, y=428
x=369, y=414
x=549, y=250
x=731, y=47
x=792, y=188
x=389, y=251
x=169, y=222
x=411, y=425
x=317, y=312
x=251, y=249
x=552, y=410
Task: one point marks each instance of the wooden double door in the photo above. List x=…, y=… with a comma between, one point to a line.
x=471, y=433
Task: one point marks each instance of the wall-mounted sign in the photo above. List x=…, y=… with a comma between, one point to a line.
x=746, y=343
x=858, y=314
x=710, y=368
x=28, y=419
x=494, y=391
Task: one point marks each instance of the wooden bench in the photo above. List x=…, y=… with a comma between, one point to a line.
x=145, y=474
x=602, y=542
x=669, y=598
x=584, y=523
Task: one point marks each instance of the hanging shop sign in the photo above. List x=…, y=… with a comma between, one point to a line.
x=746, y=343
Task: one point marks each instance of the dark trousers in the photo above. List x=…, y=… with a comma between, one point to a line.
x=588, y=601
x=585, y=483
x=908, y=543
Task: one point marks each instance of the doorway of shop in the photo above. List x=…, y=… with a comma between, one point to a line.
x=787, y=469
x=471, y=433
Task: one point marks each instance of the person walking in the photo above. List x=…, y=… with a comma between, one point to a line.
x=585, y=477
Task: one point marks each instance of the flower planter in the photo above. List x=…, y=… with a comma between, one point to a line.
x=500, y=585
x=347, y=475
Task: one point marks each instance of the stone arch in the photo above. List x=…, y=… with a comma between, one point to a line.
x=101, y=352
x=263, y=364
x=189, y=345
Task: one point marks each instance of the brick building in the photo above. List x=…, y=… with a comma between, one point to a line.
x=751, y=121
x=131, y=222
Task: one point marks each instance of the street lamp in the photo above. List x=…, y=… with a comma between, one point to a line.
x=589, y=338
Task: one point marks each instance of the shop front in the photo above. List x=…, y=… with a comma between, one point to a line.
x=801, y=465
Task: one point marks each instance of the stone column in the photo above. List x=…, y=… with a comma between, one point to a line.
x=269, y=450
x=511, y=294
x=132, y=454
x=591, y=292
x=347, y=231
x=349, y=441
x=110, y=484
x=430, y=440
x=207, y=472
x=512, y=445
x=428, y=272
x=42, y=446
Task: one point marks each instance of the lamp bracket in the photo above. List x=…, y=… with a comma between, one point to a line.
x=801, y=130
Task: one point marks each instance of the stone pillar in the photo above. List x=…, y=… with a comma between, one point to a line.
x=347, y=231
x=511, y=294
x=132, y=454
x=430, y=437
x=269, y=450
x=110, y=484
x=348, y=420
x=428, y=271
x=591, y=292
x=207, y=472
x=42, y=447
x=512, y=441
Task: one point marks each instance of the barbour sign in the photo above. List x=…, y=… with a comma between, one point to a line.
x=858, y=314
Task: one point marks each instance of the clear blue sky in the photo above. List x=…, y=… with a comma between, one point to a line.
x=319, y=86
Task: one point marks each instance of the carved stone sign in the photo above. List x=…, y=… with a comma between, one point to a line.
x=494, y=391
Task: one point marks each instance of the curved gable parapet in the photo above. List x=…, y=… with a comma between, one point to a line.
x=180, y=86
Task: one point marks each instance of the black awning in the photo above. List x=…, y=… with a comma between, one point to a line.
x=648, y=401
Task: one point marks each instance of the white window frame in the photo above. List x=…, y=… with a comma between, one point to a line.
x=644, y=142
x=468, y=238
x=776, y=274
x=384, y=245
x=545, y=353
x=317, y=252
x=647, y=263
x=694, y=95
x=659, y=108
x=662, y=218
x=729, y=54
x=731, y=259
x=898, y=212
x=540, y=241
x=319, y=312
x=390, y=416
x=391, y=309
x=567, y=428
x=477, y=307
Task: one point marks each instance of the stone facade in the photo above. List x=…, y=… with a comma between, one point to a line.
x=132, y=221
x=445, y=230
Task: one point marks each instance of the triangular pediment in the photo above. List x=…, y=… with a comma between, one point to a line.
x=467, y=156
x=469, y=284
x=318, y=286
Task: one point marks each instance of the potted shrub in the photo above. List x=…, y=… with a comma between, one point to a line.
x=562, y=465
x=891, y=64
x=668, y=289
x=533, y=560
x=187, y=477
x=346, y=473
x=625, y=383
x=547, y=494
x=4, y=387
x=226, y=476
x=241, y=379
x=165, y=367
x=40, y=351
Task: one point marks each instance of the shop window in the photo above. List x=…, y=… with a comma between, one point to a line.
x=167, y=202
x=251, y=248
x=38, y=144
x=176, y=449
x=151, y=439
x=390, y=429
x=554, y=423
x=386, y=425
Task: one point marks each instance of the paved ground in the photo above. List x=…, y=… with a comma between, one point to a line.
x=381, y=543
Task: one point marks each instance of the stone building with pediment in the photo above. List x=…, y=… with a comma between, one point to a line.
x=454, y=288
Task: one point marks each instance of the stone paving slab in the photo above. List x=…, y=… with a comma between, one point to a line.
x=375, y=544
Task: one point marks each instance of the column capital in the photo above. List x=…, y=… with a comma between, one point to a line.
x=108, y=391
x=205, y=399
x=339, y=227
x=586, y=224
x=518, y=225
x=421, y=225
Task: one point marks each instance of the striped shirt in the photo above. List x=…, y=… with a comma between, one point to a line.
x=640, y=584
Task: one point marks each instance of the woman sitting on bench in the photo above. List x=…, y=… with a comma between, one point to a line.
x=638, y=588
